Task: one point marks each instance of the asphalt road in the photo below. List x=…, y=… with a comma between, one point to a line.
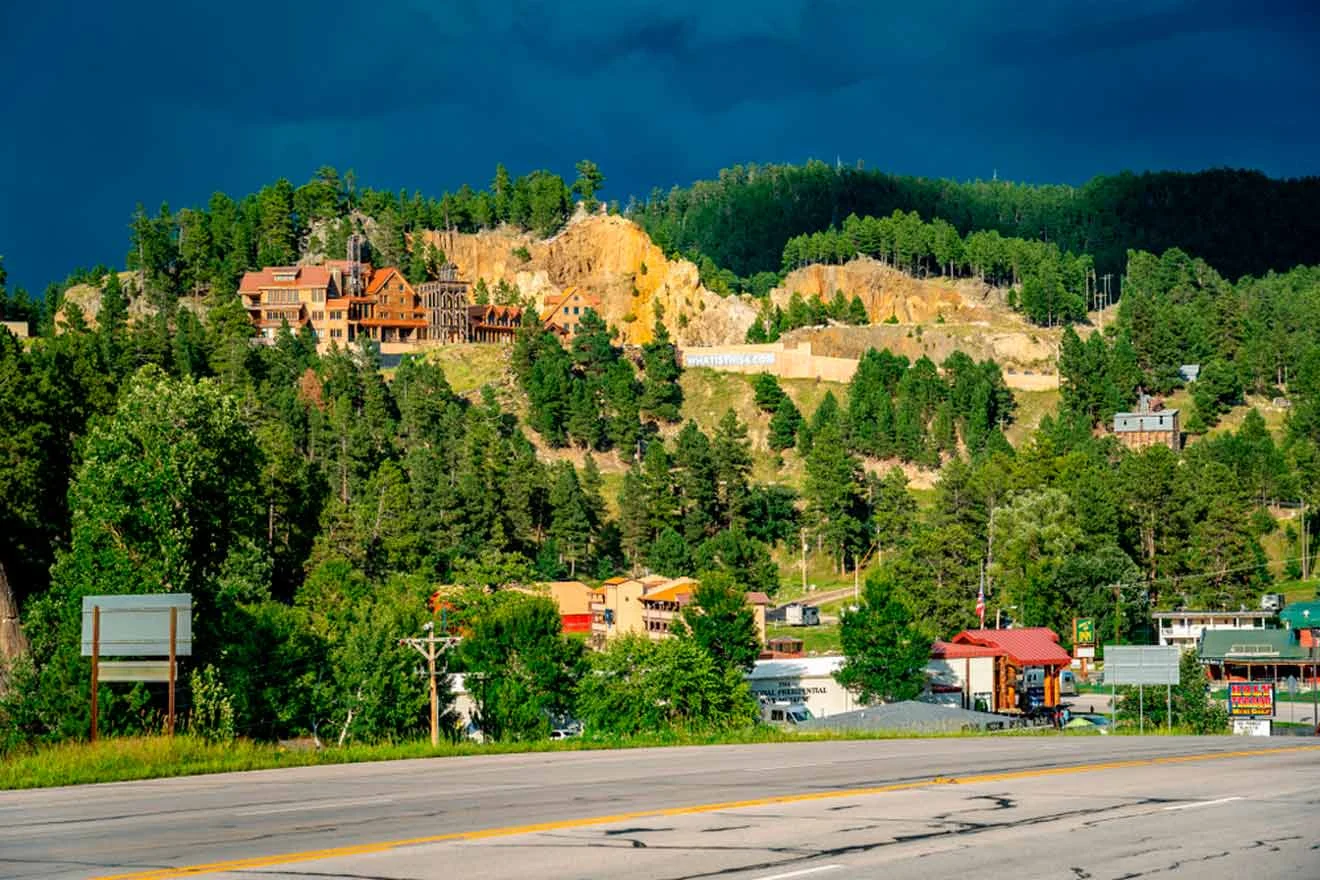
x=1065, y=807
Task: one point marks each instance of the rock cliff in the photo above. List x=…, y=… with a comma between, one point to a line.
x=887, y=292
x=614, y=259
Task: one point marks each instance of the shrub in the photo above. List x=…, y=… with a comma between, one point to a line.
x=522, y=253
x=212, y=716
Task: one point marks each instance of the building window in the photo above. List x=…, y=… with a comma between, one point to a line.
x=318, y=296
x=318, y=316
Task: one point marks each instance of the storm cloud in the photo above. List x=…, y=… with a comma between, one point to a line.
x=106, y=105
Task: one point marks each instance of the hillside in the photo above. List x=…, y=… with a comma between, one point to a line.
x=887, y=292
x=1241, y=221
x=613, y=259
x=88, y=298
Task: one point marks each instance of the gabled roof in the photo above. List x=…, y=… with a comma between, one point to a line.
x=554, y=302
x=755, y=597
x=380, y=277
x=302, y=277
x=671, y=591
x=1251, y=645
x=1030, y=646
x=951, y=651
x=494, y=311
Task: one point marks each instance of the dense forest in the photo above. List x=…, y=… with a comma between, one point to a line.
x=1241, y=222
x=311, y=502
x=1047, y=285
x=203, y=250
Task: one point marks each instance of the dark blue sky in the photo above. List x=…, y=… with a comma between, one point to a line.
x=108, y=104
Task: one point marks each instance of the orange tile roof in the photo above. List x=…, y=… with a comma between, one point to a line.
x=670, y=591
x=304, y=277
x=380, y=276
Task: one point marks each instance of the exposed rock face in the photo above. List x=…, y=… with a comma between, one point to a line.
x=613, y=259
x=13, y=644
x=888, y=292
x=88, y=298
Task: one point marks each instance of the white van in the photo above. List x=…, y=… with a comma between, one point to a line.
x=782, y=714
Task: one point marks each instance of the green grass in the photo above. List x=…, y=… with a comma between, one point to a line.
x=1297, y=591
x=815, y=639
x=1032, y=406
x=125, y=759
x=469, y=366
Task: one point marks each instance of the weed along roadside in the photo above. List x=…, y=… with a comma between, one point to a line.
x=138, y=758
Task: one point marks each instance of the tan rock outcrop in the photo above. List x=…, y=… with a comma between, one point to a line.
x=888, y=292
x=88, y=298
x=615, y=260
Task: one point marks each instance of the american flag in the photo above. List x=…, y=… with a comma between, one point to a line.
x=980, y=599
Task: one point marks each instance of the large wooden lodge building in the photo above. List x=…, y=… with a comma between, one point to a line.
x=344, y=301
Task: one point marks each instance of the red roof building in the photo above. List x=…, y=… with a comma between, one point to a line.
x=1031, y=646
x=990, y=665
x=957, y=651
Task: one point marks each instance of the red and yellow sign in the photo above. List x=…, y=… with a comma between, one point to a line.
x=1248, y=699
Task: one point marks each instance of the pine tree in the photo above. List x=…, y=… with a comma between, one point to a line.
x=593, y=347
x=584, y=425
x=658, y=488
x=856, y=314
x=623, y=426
x=731, y=457
x=669, y=554
x=634, y=515
x=767, y=393
x=113, y=315
x=662, y=396
x=784, y=425
x=588, y=182
x=570, y=524
x=502, y=194
x=831, y=490
x=693, y=474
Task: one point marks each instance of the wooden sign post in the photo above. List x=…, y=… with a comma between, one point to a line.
x=136, y=626
x=96, y=656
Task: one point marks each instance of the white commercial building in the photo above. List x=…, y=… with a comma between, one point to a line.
x=806, y=680
x=1183, y=628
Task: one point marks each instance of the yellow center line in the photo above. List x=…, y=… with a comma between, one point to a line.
x=562, y=824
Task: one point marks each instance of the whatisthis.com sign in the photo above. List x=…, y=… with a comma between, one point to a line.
x=1250, y=699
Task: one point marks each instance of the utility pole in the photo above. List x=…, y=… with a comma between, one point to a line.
x=1305, y=555
x=432, y=646
x=1118, y=610
x=804, y=562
